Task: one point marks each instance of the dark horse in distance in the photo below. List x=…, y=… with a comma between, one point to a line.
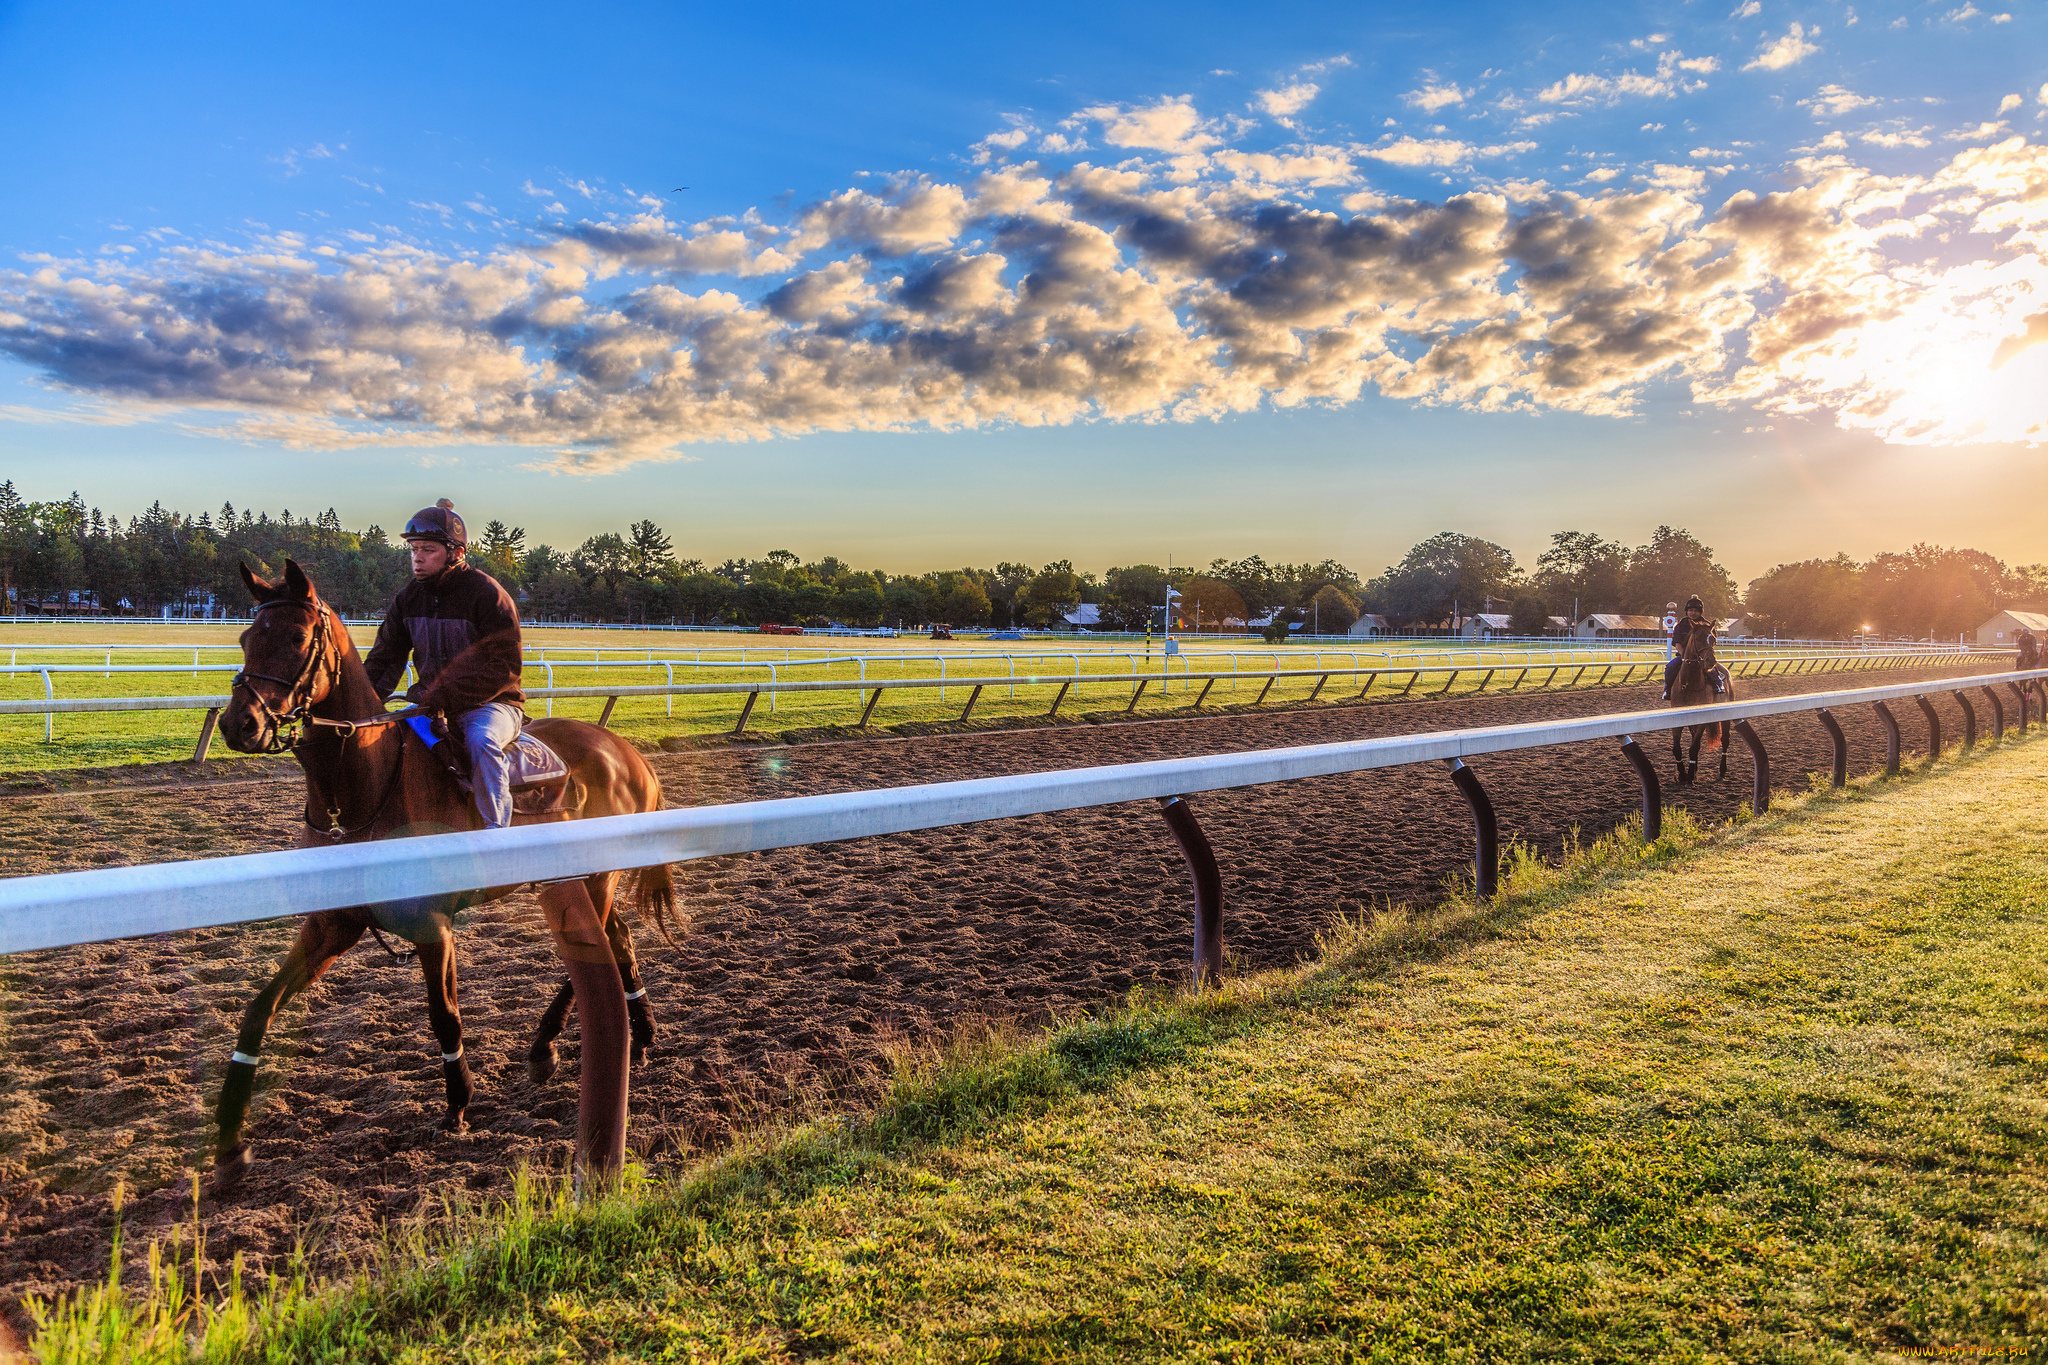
x=303, y=687
x=1698, y=673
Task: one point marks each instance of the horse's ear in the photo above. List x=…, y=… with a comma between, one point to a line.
x=258, y=588
x=295, y=581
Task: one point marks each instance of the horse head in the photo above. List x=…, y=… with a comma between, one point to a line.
x=289, y=661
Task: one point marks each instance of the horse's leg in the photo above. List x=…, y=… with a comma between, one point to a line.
x=639, y=1014
x=1686, y=771
x=444, y=1016
x=575, y=920
x=540, y=1056
x=1725, y=736
x=323, y=937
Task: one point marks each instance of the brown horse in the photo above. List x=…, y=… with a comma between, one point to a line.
x=1698, y=671
x=304, y=687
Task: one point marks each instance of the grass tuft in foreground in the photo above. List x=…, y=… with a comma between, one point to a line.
x=1770, y=1091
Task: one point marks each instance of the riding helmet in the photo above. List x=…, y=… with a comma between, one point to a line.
x=438, y=522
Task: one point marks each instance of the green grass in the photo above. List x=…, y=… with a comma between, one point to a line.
x=1772, y=1091
x=112, y=738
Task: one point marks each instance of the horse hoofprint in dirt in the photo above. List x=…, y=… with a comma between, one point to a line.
x=367, y=778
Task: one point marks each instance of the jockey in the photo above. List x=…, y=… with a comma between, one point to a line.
x=2030, y=650
x=1693, y=630
x=462, y=631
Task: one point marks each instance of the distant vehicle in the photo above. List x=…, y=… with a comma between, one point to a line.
x=770, y=628
x=1006, y=635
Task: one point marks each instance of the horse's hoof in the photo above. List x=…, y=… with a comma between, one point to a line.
x=540, y=1064
x=229, y=1170
x=639, y=1051
x=456, y=1123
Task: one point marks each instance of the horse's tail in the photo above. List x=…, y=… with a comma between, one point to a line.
x=654, y=895
x=1716, y=736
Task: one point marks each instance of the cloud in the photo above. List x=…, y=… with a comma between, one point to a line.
x=1901, y=137
x=1748, y=11
x=2011, y=102
x=1010, y=139
x=1435, y=93
x=1791, y=48
x=1962, y=12
x=1833, y=101
x=91, y=414
x=1980, y=133
x=292, y=156
x=1934, y=354
x=1408, y=151
x=1579, y=88
x=1169, y=125
x=1287, y=100
x=1028, y=295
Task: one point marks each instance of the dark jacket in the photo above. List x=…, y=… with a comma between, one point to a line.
x=462, y=632
x=1682, y=635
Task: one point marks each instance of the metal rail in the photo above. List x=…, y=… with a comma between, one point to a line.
x=58, y=909
x=52, y=705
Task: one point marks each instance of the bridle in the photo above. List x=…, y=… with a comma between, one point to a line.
x=291, y=715
x=288, y=715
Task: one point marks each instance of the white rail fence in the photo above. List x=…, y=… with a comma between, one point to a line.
x=61, y=909
x=49, y=706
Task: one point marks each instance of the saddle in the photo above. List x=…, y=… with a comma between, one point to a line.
x=541, y=784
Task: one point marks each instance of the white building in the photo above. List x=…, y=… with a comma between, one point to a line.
x=2003, y=630
x=1610, y=626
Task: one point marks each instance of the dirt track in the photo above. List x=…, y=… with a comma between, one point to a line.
x=801, y=964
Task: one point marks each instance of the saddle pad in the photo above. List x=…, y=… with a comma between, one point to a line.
x=534, y=764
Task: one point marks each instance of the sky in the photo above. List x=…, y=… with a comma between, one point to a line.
x=921, y=286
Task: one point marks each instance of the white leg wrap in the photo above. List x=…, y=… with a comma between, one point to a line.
x=244, y=1058
x=454, y=1056
x=639, y=994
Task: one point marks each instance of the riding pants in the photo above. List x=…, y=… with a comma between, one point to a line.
x=487, y=732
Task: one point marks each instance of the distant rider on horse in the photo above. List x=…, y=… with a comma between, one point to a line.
x=462, y=631
x=2030, y=650
x=1692, y=638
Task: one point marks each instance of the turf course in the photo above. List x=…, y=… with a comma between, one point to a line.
x=1033, y=669
x=1773, y=1091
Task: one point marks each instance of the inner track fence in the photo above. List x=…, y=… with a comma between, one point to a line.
x=61, y=909
x=1486, y=666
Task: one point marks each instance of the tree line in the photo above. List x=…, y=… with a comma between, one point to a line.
x=160, y=558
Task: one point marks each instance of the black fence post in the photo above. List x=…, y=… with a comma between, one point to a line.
x=1841, y=745
x=1208, y=880
x=1485, y=832
x=1653, y=792
x=1760, y=768
x=1891, y=738
x=1933, y=727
